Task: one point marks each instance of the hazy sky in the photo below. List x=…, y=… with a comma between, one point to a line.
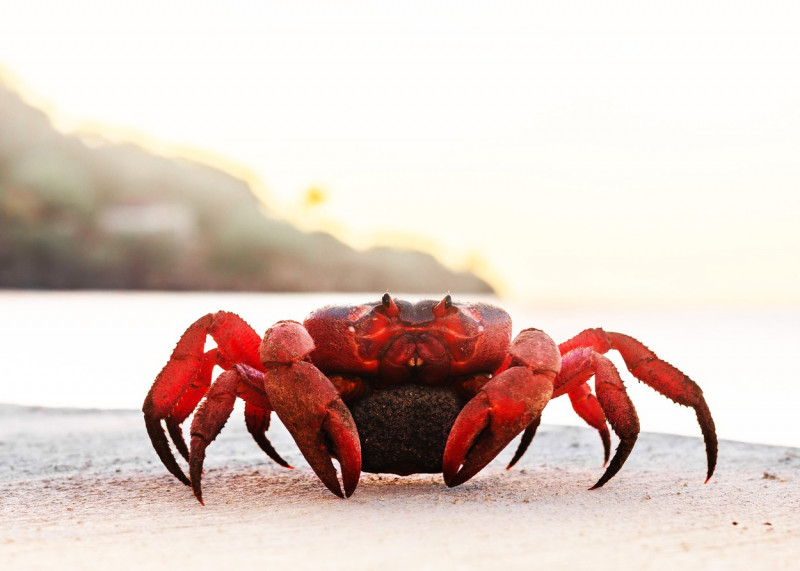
x=573, y=152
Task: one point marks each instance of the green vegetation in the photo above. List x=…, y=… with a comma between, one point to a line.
x=117, y=216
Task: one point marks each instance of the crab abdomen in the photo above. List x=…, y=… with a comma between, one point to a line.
x=404, y=428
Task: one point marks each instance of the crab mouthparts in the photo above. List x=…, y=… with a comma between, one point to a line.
x=415, y=361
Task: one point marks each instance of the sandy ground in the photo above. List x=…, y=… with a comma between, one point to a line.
x=84, y=490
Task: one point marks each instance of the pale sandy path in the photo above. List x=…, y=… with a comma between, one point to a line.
x=83, y=490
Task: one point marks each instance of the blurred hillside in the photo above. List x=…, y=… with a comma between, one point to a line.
x=101, y=215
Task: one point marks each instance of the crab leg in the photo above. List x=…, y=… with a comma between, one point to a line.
x=656, y=373
x=611, y=396
x=524, y=442
x=241, y=381
x=256, y=419
x=187, y=400
x=588, y=408
x=212, y=416
x=310, y=407
x=185, y=378
x=505, y=406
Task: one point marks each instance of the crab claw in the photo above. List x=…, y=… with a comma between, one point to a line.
x=310, y=408
x=320, y=423
x=504, y=407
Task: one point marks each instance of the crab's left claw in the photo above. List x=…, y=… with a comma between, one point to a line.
x=509, y=403
x=503, y=408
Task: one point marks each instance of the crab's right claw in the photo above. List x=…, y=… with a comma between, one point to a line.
x=504, y=407
x=310, y=408
x=320, y=423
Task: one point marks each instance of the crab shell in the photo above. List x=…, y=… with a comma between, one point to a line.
x=427, y=341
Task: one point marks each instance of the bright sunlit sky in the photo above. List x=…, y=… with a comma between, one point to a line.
x=570, y=152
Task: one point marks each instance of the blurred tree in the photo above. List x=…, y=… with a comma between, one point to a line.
x=100, y=215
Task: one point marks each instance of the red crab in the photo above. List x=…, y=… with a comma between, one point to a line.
x=401, y=387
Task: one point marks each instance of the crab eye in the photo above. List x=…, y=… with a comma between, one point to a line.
x=440, y=309
x=391, y=307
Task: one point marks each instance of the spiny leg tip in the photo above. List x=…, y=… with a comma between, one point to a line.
x=599, y=484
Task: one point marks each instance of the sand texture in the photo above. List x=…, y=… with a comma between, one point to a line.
x=84, y=490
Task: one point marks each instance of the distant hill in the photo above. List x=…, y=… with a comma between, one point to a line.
x=117, y=216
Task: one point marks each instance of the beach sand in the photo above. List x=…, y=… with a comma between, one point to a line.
x=84, y=490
